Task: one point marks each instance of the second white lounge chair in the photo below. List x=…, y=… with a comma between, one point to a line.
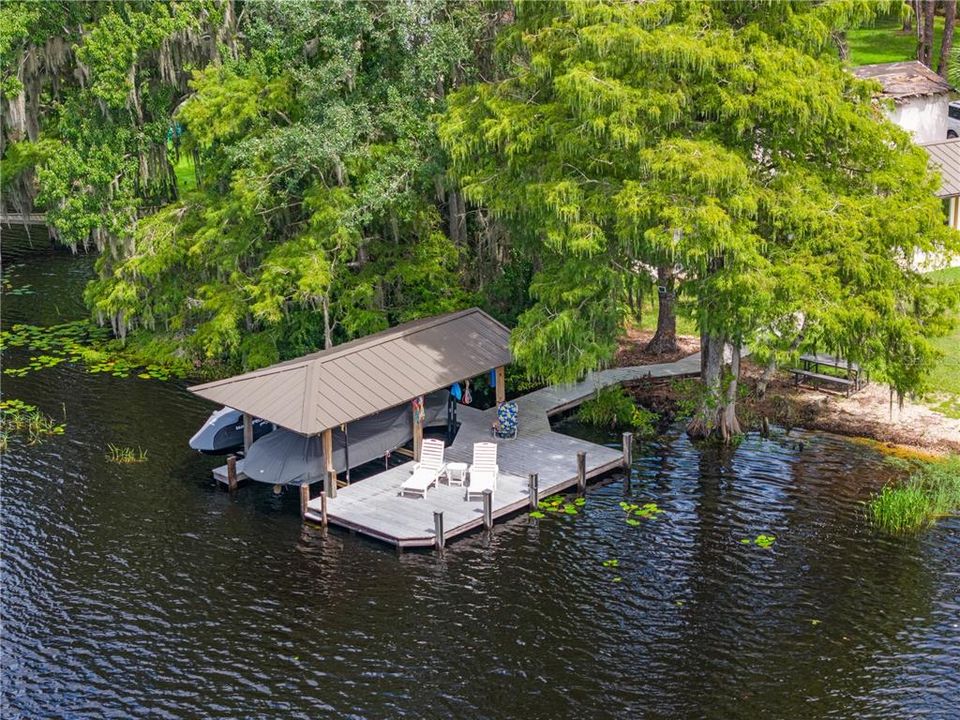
x=425, y=472
x=484, y=471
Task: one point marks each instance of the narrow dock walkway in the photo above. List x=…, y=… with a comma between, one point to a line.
x=374, y=507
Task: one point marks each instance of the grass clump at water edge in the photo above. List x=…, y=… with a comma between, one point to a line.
x=932, y=491
x=24, y=419
x=125, y=455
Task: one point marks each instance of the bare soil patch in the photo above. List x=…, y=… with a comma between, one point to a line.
x=866, y=414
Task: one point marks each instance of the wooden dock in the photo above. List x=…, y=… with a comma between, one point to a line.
x=374, y=506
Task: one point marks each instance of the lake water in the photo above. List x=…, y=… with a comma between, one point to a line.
x=146, y=591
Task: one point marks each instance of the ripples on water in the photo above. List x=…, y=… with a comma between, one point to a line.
x=145, y=591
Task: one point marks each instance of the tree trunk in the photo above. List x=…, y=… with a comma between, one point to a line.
x=908, y=22
x=327, y=329
x=665, y=339
x=704, y=422
x=946, y=43
x=729, y=425
x=716, y=418
x=925, y=51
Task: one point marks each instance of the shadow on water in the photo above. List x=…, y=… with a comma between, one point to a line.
x=146, y=591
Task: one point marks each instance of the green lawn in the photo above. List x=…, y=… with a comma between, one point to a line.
x=886, y=42
x=945, y=378
x=186, y=173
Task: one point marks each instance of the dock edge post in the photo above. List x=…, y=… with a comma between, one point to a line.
x=627, y=449
x=304, y=499
x=488, y=509
x=438, y=529
x=582, y=472
x=533, y=484
x=323, y=509
x=231, y=472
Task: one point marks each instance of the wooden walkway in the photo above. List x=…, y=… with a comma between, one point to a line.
x=374, y=506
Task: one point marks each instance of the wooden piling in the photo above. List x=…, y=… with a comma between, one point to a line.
x=330, y=479
x=231, y=472
x=438, y=529
x=488, y=509
x=533, y=485
x=323, y=509
x=501, y=380
x=582, y=472
x=247, y=433
x=627, y=449
x=304, y=499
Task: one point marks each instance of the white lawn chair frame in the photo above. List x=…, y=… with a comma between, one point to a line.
x=425, y=472
x=484, y=471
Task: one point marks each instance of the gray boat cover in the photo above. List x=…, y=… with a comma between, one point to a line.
x=284, y=457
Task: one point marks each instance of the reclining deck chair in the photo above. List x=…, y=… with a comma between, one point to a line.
x=425, y=472
x=484, y=471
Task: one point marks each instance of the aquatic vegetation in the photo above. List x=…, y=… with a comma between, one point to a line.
x=558, y=504
x=125, y=455
x=84, y=342
x=22, y=418
x=7, y=286
x=613, y=408
x=761, y=540
x=647, y=511
x=930, y=492
x=613, y=562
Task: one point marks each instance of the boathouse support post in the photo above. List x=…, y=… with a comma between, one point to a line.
x=417, y=432
x=247, y=433
x=438, y=529
x=488, y=509
x=533, y=485
x=582, y=472
x=330, y=477
x=501, y=389
x=231, y=472
x=304, y=499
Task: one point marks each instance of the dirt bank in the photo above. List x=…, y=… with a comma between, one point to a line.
x=865, y=414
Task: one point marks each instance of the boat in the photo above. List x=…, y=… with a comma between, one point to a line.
x=285, y=457
x=222, y=433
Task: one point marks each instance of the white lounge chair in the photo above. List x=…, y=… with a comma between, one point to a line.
x=484, y=471
x=425, y=472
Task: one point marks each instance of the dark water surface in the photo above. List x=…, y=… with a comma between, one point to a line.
x=145, y=591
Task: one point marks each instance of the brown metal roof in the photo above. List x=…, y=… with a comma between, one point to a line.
x=945, y=157
x=901, y=80
x=364, y=376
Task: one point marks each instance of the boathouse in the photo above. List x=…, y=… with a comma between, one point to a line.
x=320, y=394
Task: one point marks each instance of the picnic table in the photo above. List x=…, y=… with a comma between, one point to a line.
x=852, y=379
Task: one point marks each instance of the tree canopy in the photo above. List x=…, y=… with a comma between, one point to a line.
x=364, y=163
x=725, y=139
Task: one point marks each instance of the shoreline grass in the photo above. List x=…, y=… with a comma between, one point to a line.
x=929, y=493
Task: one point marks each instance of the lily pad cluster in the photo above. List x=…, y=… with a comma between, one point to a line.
x=80, y=341
x=636, y=513
x=7, y=286
x=558, y=504
x=760, y=540
x=613, y=563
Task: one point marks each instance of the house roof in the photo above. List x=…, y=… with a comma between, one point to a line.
x=364, y=376
x=945, y=157
x=902, y=80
